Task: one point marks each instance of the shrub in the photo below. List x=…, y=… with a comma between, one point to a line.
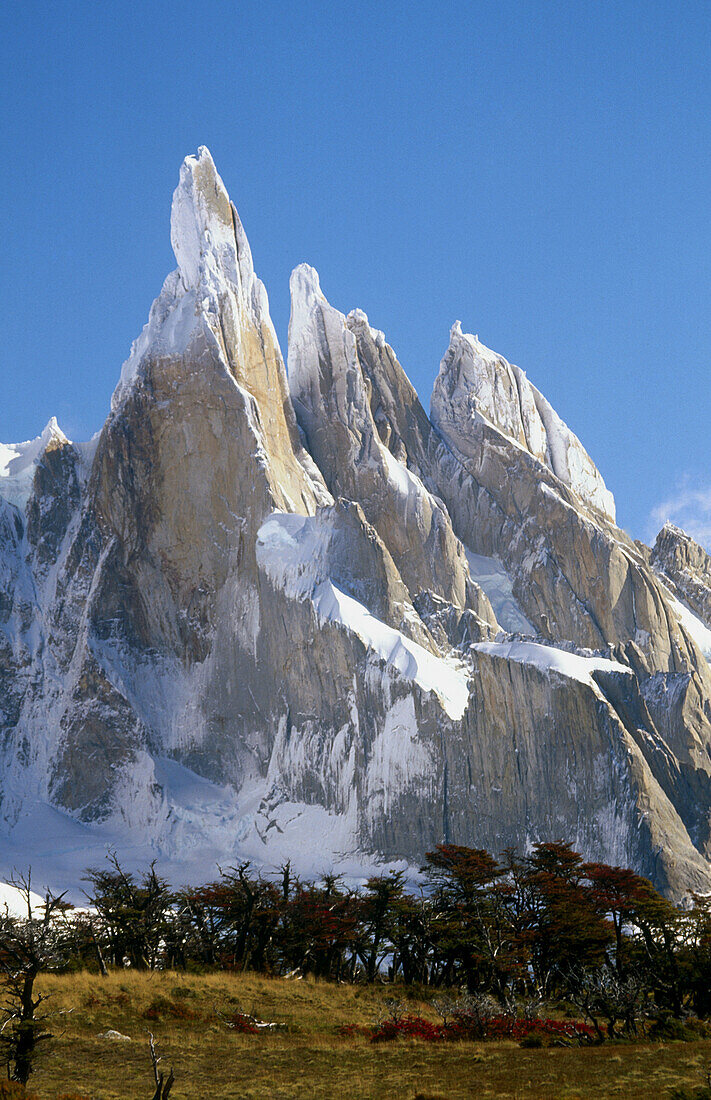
x=407, y=1027
x=348, y=1031
x=667, y=1028
x=508, y=1027
x=163, y=1006
x=242, y=1023
x=532, y=1032
x=531, y=1042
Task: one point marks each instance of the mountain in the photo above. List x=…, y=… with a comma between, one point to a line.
x=277, y=614
x=686, y=568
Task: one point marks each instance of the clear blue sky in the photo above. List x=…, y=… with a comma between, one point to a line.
x=539, y=170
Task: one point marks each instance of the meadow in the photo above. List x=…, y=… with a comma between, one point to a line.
x=308, y=1055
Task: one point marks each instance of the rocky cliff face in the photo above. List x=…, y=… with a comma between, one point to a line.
x=273, y=615
x=686, y=568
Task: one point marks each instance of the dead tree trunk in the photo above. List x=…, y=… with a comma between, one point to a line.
x=163, y=1084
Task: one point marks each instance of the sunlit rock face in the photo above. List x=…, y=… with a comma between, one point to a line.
x=272, y=613
x=686, y=567
x=336, y=389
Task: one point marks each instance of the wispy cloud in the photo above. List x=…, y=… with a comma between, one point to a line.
x=690, y=508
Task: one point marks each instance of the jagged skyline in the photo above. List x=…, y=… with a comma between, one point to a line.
x=536, y=172
x=275, y=617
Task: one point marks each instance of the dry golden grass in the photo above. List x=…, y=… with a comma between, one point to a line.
x=309, y=1059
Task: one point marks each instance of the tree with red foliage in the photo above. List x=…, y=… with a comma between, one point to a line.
x=656, y=934
x=472, y=925
x=323, y=924
x=616, y=892
x=234, y=919
x=566, y=931
x=412, y=934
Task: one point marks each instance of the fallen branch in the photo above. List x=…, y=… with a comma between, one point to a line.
x=240, y=1019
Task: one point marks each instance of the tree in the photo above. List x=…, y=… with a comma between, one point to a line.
x=617, y=891
x=657, y=931
x=133, y=916
x=28, y=945
x=377, y=917
x=567, y=934
x=324, y=930
x=234, y=920
x=472, y=925
x=696, y=954
x=413, y=939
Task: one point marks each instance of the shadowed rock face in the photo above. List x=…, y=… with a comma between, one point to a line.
x=271, y=617
x=337, y=399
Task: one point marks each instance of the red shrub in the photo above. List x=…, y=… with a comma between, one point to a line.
x=242, y=1023
x=506, y=1027
x=408, y=1027
x=495, y=1027
x=347, y=1031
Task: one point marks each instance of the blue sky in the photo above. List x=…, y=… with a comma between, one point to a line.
x=540, y=171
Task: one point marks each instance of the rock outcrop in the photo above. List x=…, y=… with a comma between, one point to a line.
x=686, y=567
x=337, y=402
x=290, y=615
x=474, y=383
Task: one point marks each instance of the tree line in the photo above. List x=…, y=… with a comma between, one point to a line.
x=518, y=930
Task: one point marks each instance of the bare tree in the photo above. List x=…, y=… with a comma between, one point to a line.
x=28, y=945
x=163, y=1084
x=603, y=994
x=132, y=915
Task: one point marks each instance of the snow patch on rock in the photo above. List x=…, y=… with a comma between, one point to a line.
x=292, y=550
x=693, y=624
x=491, y=576
x=399, y=759
x=204, y=824
x=18, y=462
x=550, y=659
x=475, y=382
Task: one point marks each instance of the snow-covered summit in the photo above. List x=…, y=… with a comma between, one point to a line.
x=306, y=295
x=475, y=382
x=206, y=234
x=215, y=287
x=686, y=567
x=18, y=462
x=357, y=321
x=671, y=530
x=247, y=617
x=307, y=298
x=318, y=334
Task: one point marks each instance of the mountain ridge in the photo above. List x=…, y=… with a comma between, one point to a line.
x=253, y=615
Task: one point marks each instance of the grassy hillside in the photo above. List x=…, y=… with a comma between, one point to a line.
x=309, y=1058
